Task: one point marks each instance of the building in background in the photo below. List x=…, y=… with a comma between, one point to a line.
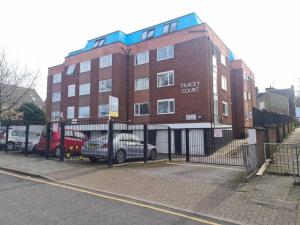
x=243, y=95
x=176, y=73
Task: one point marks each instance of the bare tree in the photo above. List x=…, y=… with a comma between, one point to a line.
x=12, y=78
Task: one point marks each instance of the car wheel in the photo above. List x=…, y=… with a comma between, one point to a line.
x=120, y=157
x=153, y=154
x=10, y=146
x=93, y=159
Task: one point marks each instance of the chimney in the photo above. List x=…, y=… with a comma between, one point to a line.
x=270, y=89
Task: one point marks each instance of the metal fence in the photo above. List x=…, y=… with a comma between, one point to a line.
x=263, y=118
x=284, y=159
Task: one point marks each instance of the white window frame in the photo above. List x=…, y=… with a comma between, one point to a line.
x=71, y=70
x=214, y=60
x=139, y=109
x=226, y=112
x=148, y=34
x=99, y=110
x=169, y=53
x=141, y=55
x=85, y=66
x=245, y=95
x=166, y=100
x=99, y=42
x=168, y=73
x=70, y=112
x=55, y=115
x=56, y=96
x=56, y=78
x=80, y=112
x=224, y=83
x=71, y=90
x=84, y=89
x=105, y=89
x=105, y=61
x=223, y=60
x=249, y=95
x=144, y=81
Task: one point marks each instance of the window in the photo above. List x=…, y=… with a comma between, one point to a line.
x=170, y=27
x=245, y=95
x=215, y=83
x=105, y=61
x=261, y=105
x=85, y=66
x=84, y=89
x=103, y=110
x=141, y=83
x=56, y=78
x=165, y=53
x=147, y=34
x=98, y=43
x=71, y=70
x=224, y=83
x=56, y=97
x=249, y=95
x=166, y=106
x=216, y=108
x=105, y=85
x=165, y=79
x=70, y=112
x=55, y=115
x=141, y=58
x=71, y=90
x=223, y=60
x=214, y=60
x=141, y=109
x=225, y=108
x=84, y=112
x=245, y=76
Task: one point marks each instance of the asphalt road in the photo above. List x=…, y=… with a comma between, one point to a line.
x=27, y=202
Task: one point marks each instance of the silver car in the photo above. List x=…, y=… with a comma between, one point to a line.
x=125, y=146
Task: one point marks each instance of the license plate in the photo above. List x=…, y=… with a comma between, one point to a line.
x=92, y=146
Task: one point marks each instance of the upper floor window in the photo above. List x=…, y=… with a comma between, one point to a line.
x=99, y=43
x=141, y=83
x=249, y=95
x=56, y=96
x=245, y=95
x=223, y=60
x=105, y=61
x=71, y=90
x=166, y=106
x=103, y=110
x=71, y=70
x=225, y=108
x=84, y=89
x=55, y=115
x=105, y=85
x=141, y=58
x=84, y=112
x=85, y=66
x=224, y=83
x=261, y=105
x=165, y=79
x=214, y=60
x=147, y=34
x=141, y=109
x=56, y=78
x=245, y=75
x=165, y=53
x=70, y=112
x=170, y=27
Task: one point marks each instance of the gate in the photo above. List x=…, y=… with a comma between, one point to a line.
x=284, y=159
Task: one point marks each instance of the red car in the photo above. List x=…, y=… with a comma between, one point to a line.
x=74, y=141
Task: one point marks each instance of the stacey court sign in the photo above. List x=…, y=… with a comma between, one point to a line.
x=190, y=87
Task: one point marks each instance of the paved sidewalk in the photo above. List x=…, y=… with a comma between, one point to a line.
x=210, y=190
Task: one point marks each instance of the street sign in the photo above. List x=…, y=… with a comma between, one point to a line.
x=113, y=106
x=55, y=127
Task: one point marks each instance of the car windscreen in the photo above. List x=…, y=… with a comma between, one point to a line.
x=18, y=133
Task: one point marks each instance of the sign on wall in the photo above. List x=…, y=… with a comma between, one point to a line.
x=113, y=106
x=55, y=127
x=190, y=87
x=218, y=133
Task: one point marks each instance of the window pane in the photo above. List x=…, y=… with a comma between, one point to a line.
x=173, y=26
x=71, y=70
x=105, y=85
x=70, y=112
x=103, y=110
x=142, y=58
x=150, y=34
x=71, y=90
x=163, y=107
x=84, y=112
x=166, y=29
x=84, y=89
x=56, y=78
x=144, y=35
x=136, y=109
x=56, y=96
x=171, y=78
x=171, y=106
x=144, y=109
x=85, y=66
x=105, y=61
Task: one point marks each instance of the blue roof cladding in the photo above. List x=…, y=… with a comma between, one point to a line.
x=183, y=22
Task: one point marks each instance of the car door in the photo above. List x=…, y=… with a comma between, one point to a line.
x=134, y=146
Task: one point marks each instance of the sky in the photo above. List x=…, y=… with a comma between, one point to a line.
x=264, y=33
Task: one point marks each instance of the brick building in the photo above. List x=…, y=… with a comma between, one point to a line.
x=176, y=72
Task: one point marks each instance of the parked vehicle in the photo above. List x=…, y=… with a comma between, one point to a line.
x=126, y=146
x=73, y=143
x=16, y=139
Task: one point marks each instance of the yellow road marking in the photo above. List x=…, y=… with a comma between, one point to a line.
x=113, y=198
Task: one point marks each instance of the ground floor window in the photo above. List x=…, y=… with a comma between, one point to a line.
x=103, y=110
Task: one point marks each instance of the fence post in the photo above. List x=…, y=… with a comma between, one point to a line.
x=26, y=139
x=6, y=137
x=110, y=144
x=48, y=136
x=169, y=144
x=145, y=143
x=187, y=145
x=62, y=141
